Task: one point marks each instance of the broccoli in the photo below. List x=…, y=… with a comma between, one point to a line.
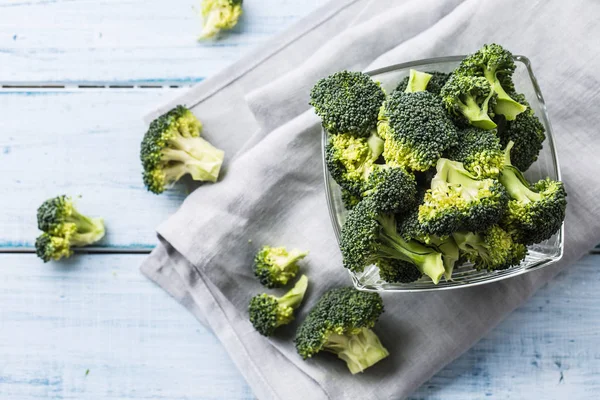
x=275, y=266
x=368, y=237
x=497, y=65
x=350, y=160
x=416, y=130
x=480, y=152
x=417, y=81
x=340, y=323
x=218, y=15
x=457, y=200
x=398, y=271
x=435, y=84
x=535, y=212
x=526, y=132
x=392, y=189
x=268, y=312
x=490, y=250
x=349, y=199
x=48, y=247
x=347, y=102
x=172, y=147
x=471, y=97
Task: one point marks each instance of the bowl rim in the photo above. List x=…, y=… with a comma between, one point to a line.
x=549, y=260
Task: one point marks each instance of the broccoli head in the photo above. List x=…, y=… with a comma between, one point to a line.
x=435, y=84
x=480, y=152
x=347, y=102
x=218, y=15
x=370, y=238
x=172, y=147
x=457, y=200
x=490, y=250
x=350, y=159
x=48, y=247
x=340, y=323
x=349, y=199
x=416, y=130
x=391, y=189
x=472, y=98
x=535, y=212
x=497, y=65
x=275, y=266
x=398, y=271
x=268, y=312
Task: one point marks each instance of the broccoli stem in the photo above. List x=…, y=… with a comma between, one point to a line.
x=417, y=81
x=476, y=115
x=205, y=167
x=360, y=350
x=83, y=239
x=505, y=105
x=516, y=185
x=84, y=224
x=197, y=147
x=294, y=297
x=376, y=145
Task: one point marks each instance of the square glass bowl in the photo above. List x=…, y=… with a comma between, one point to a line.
x=540, y=255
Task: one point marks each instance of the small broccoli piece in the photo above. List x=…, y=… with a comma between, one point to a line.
x=349, y=199
x=497, y=65
x=457, y=200
x=471, y=97
x=268, y=312
x=526, y=132
x=398, y=271
x=535, y=212
x=368, y=237
x=340, y=323
x=350, y=160
x=275, y=266
x=391, y=189
x=479, y=151
x=416, y=130
x=48, y=247
x=490, y=250
x=172, y=147
x=218, y=15
x=347, y=102
x=417, y=81
x=436, y=82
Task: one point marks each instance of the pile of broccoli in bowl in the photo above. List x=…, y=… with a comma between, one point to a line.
x=426, y=174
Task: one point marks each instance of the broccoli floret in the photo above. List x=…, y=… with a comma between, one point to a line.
x=497, y=65
x=368, y=237
x=347, y=102
x=471, y=97
x=350, y=160
x=275, y=266
x=457, y=200
x=48, y=247
x=218, y=15
x=391, y=189
x=490, y=250
x=416, y=130
x=349, y=199
x=480, y=152
x=268, y=312
x=526, y=132
x=398, y=271
x=535, y=212
x=172, y=147
x=435, y=84
x=340, y=323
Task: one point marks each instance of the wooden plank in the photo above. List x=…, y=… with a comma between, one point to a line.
x=79, y=142
x=98, y=313
x=141, y=40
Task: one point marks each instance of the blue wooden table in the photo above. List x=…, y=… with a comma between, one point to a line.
x=92, y=327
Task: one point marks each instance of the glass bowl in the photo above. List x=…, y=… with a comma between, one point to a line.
x=540, y=255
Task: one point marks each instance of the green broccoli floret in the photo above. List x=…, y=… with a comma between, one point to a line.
x=48, y=247
x=479, y=151
x=349, y=199
x=535, y=212
x=275, y=266
x=398, y=271
x=268, y=312
x=340, y=323
x=497, y=65
x=435, y=84
x=457, y=200
x=391, y=189
x=416, y=130
x=350, y=160
x=368, y=238
x=172, y=147
x=218, y=15
x=58, y=217
x=347, y=102
x=526, y=132
x=490, y=250
x=471, y=97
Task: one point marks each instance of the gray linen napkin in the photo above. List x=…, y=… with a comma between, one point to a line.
x=273, y=191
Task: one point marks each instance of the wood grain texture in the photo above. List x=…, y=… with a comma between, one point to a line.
x=97, y=312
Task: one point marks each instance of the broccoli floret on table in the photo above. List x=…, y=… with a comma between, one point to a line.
x=268, y=312
x=275, y=266
x=172, y=148
x=347, y=102
x=218, y=15
x=48, y=247
x=340, y=323
x=480, y=152
x=470, y=97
